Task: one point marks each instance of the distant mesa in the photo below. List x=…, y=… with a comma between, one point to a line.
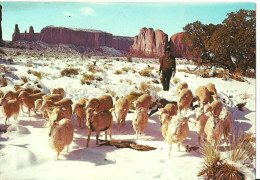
x=78, y=37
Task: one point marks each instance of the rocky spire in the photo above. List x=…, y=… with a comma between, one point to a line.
x=16, y=34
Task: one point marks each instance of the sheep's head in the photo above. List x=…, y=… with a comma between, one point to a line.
x=53, y=126
x=9, y=95
x=93, y=103
x=89, y=114
x=78, y=107
x=23, y=95
x=46, y=105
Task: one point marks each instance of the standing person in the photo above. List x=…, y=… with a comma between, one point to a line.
x=167, y=66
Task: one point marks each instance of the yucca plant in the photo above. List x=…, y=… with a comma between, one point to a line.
x=24, y=79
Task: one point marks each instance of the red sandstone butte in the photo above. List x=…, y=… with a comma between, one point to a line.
x=178, y=48
x=149, y=43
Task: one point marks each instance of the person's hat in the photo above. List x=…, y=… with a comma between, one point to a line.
x=168, y=49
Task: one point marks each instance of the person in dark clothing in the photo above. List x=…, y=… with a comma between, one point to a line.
x=167, y=66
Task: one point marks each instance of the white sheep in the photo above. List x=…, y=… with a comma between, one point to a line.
x=99, y=121
x=181, y=86
x=10, y=108
x=213, y=129
x=140, y=120
x=79, y=110
x=178, y=131
x=61, y=135
x=226, y=119
x=102, y=103
x=203, y=96
x=144, y=101
x=121, y=109
x=184, y=100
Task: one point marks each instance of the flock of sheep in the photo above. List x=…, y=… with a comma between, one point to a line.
x=212, y=119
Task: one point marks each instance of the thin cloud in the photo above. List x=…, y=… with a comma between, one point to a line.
x=67, y=13
x=88, y=11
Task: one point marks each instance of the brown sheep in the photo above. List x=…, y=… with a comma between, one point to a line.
x=213, y=92
x=178, y=131
x=181, y=86
x=102, y=103
x=203, y=96
x=140, y=120
x=121, y=110
x=79, y=110
x=202, y=119
x=99, y=121
x=53, y=97
x=216, y=107
x=57, y=114
x=165, y=120
x=184, y=100
x=226, y=119
x=29, y=100
x=58, y=91
x=10, y=108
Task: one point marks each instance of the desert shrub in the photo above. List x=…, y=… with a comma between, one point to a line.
x=87, y=79
x=29, y=71
x=129, y=59
x=37, y=74
x=4, y=82
x=99, y=78
x=143, y=87
x=121, y=80
x=146, y=72
x=29, y=65
x=126, y=69
x=129, y=81
x=118, y=72
x=133, y=97
x=117, y=59
x=92, y=68
x=18, y=53
x=45, y=64
x=24, y=79
x=69, y=72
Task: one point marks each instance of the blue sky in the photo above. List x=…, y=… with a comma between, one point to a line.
x=118, y=18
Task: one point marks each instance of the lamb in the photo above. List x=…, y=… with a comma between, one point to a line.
x=184, y=100
x=79, y=110
x=170, y=109
x=203, y=96
x=216, y=107
x=202, y=119
x=29, y=100
x=226, y=119
x=121, y=110
x=61, y=135
x=213, y=129
x=58, y=91
x=181, y=86
x=10, y=108
x=99, y=121
x=178, y=131
x=140, y=120
x=102, y=103
x=143, y=101
x=212, y=91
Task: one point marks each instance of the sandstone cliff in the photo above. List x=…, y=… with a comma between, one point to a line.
x=149, y=43
x=78, y=37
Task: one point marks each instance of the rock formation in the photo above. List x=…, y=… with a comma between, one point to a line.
x=178, y=48
x=78, y=37
x=149, y=43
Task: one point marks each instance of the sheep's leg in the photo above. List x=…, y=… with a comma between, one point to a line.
x=35, y=111
x=118, y=125
x=58, y=155
x=123, y=122
x=170, y=149
x=179, y=147
x=97, y=137
x=67, y=148
x=111, y=130
x=136, y=134
x=89, y=133
x=105, y=135
x=186, y=110
x=78, y=121
x=5, y=120
x=22, y=108
x=29, y=109
x=199, y=137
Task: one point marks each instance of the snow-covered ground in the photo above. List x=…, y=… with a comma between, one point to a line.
x=25, y=152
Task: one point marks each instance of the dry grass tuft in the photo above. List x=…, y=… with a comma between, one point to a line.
x=24, y=79
x=129, y=81
x=143, y=87
x=69, y=72
x=87, y=79
x=1, y=94
x=175, y=80
x=126, y=69
x=146, y=72
x=118, y=72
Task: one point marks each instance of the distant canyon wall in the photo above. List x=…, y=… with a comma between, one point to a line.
x=77, y=37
